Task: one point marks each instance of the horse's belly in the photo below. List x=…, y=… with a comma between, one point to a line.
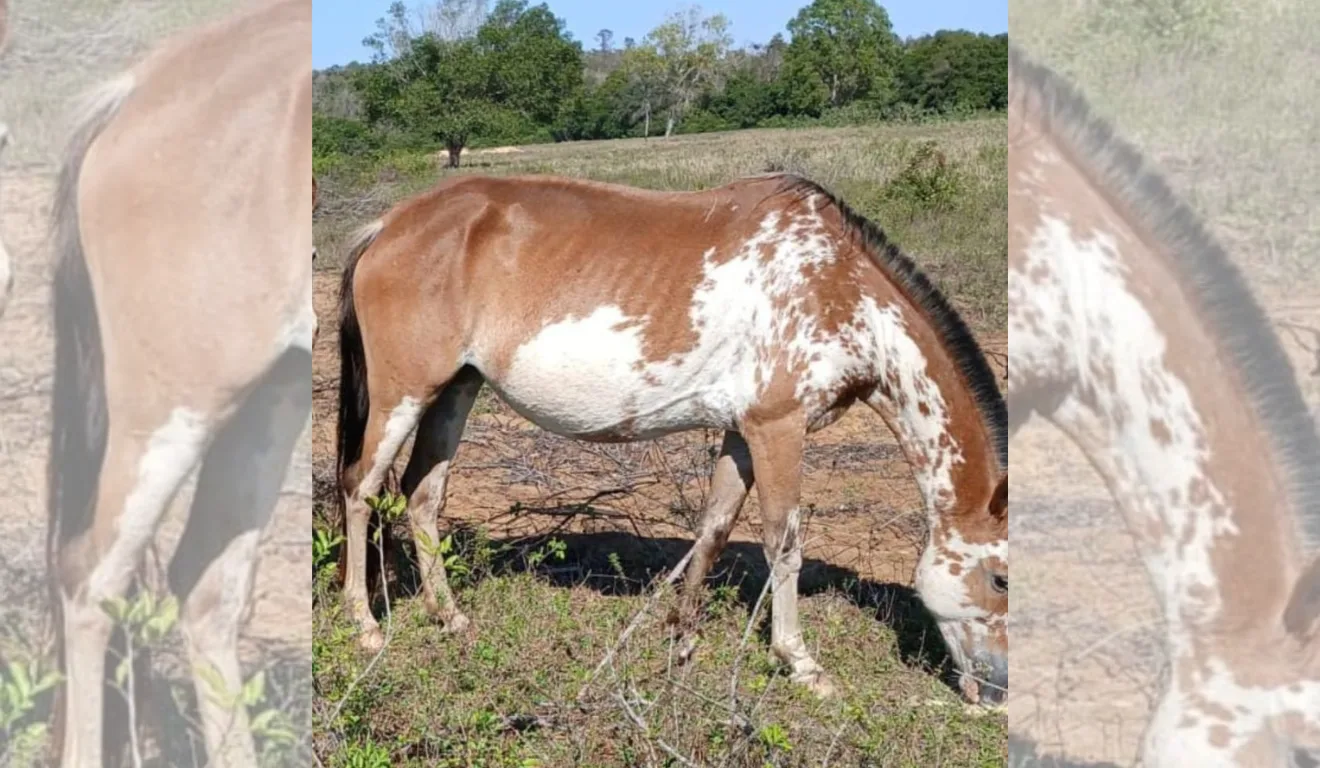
x=592, y=382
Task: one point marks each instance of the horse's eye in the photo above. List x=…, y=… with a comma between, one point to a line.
x=1305, y=758
x=1000, y=584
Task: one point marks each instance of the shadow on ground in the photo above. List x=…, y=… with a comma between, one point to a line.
x=626, y=564
x=1022, y=754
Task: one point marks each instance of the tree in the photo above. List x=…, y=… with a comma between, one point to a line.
x=691, y=48
x=532, y=62
x=509, y=78
x=644, y=75
x=953, y=71
x=606, y=40
x=842, y=51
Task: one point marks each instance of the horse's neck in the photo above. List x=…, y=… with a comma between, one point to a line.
x=1189, y=464
x=923, y=399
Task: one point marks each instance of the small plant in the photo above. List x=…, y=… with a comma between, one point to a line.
x=616, y=565
x=323, y=546
x=20, y=685
x=368, y=755
x=554, y=548
x=271, y=727
x=390, y=506
x=145, y=621
x=774, y=737
x=928, y=180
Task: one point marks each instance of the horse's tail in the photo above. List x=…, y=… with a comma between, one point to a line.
x=354, y=399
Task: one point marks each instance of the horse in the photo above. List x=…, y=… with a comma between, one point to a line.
x=183, y=325
x=1131, y=331
x=764, y=308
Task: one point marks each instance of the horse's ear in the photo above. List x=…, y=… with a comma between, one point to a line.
x=1303, y=610
x=999, y=501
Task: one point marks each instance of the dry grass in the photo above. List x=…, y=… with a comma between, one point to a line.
x=60, y=48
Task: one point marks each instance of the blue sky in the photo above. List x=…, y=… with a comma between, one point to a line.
x=338, y=26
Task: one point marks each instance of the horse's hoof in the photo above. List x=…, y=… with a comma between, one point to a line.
x=372, y=640
x=457, y=624
x=819, y=683
x=687, y=647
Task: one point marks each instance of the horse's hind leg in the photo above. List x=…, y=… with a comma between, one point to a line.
x=148, y=454
x=392, y=417
x=729, y=486
x=424, y=484
x=776, y=448
x=212, y=569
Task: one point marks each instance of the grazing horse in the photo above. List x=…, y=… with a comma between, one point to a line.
x=764, y=308
x=1131, y=331
x=183, y=325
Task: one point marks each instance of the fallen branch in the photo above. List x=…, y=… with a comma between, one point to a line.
x=636, y=622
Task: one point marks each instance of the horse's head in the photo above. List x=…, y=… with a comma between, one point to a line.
x=963, y=580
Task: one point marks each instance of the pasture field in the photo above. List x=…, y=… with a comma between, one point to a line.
x=555, y=544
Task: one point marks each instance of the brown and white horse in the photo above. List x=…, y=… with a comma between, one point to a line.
x=183, y=325
x=1131, y=331
x=764, y=308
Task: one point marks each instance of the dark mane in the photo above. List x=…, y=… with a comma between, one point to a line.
x=1212, y=281
x=962, y=346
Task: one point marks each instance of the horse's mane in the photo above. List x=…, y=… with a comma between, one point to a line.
x=1204, y=269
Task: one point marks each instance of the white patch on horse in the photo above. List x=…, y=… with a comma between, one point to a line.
x=403, y=419
x=588, y=375
x=1209, y=723
x=1084, y=313
x=299, y=327
x=172, y=452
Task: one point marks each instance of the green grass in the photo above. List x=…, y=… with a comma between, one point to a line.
x=504, y=695
x=953, y=222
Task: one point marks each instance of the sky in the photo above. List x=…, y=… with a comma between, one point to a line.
x=338, y=26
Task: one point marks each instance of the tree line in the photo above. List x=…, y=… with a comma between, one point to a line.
x=457, y=72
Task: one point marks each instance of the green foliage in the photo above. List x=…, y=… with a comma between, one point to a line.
x=323, y=547
x=505, y=82
x=955, y=71
x=842, y=51
x=20, y=685
x=367, y=755
x=519, y=78
x=928, y=181
x=337, y=135
x=775, y=738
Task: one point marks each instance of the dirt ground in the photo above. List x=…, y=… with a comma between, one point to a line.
x=277, y=635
